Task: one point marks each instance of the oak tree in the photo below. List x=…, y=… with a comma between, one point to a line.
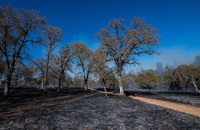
x=84, y=57
x=146, y=79
x=123, y=44
x=39, y=69
x=52, y=35
x=185, y=75
x=16, y=26
x=63, y=62
x=100, y=68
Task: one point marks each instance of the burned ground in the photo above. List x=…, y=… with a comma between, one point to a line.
x=78, y=109
x=190, y=98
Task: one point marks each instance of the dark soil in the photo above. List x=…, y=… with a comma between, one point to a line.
x=76, y=109
x=190, y=98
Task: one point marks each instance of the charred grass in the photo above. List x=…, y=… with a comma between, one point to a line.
x=77, y=109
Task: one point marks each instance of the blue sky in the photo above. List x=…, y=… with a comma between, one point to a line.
x=177, y=20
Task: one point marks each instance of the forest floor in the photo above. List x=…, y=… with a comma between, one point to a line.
x=77, y=109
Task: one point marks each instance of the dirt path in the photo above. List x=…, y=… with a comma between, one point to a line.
x=188, y=109
x=192, y=110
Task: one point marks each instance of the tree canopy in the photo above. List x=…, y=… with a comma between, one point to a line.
x=17, y=24
x=122, y=44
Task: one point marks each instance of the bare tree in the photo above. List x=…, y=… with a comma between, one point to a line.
x=52, y=35
x=100, y=67
x=77, y=81
x=39, y=68
x=16, y=26
x=18, y=72
x=63, y=62
x=84, y=56
x=23, y=73
x=123, y=44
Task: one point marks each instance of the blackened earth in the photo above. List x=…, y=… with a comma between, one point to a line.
x=77, y=109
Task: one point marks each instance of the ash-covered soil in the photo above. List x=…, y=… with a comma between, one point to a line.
x=76, y=109
x=190, y=98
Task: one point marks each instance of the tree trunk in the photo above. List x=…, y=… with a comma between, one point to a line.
x=121, y=87
x=62, y=79
x=8, y=82
x=16, y=82
x=45, y=80
x=197, y=90
x=47, y=68
x=44, y=83
x=86, y=85
x=104, y=86
x=59, y=83
x=42, y=87
x=75, y=84
x=7, y=88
